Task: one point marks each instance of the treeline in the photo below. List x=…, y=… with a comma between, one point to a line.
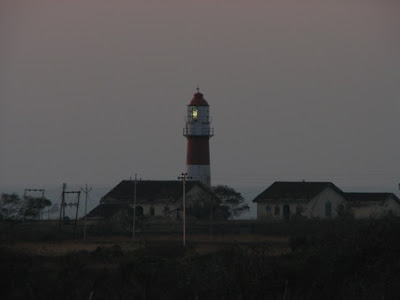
x=343, y=260
x=16, y=208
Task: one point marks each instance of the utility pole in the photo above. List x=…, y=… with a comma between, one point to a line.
x=86, y=191
x=134, y=207
x=23, y=220
x=42, y=206
x=184, y=177
x=62, y=206
x=77, y=209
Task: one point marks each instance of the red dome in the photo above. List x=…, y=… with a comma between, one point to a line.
x=198, y=100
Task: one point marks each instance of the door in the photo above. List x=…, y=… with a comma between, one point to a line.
x=286, y=211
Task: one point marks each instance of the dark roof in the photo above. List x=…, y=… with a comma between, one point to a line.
x=148, y=191
x=106, y=210
x=299, y=190
x=370, y=197
x=198, y=100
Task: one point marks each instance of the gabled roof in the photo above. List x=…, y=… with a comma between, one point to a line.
x=294, y=190
x=106, y=210
x=149, y=191
x=370, y=197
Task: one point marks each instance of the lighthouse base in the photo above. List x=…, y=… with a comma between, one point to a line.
x=200, y=173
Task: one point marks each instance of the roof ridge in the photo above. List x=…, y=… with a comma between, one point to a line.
x=300, y=190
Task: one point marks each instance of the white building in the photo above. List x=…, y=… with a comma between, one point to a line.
x=373, y=205
x=285, y=200
x=154, y=198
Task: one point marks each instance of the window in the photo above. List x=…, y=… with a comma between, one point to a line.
x=268, y=210
x=152, y=211
x=277, y=210
x=139, y=210
x=328, y=209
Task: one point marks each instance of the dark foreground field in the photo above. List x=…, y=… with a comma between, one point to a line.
x=317, y=260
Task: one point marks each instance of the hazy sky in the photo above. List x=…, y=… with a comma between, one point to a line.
x=96, y=90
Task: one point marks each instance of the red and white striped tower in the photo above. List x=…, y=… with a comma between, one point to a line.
x=198, y=133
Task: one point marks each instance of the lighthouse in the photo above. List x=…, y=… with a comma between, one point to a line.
x=198, y=133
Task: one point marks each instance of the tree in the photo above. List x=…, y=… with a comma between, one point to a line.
x=12, y=207
x=33, y=205
x=230, y=202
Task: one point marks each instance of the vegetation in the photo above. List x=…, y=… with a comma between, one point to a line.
x=230, y=202
x=13, y=207
x=343, y=259
x=227, y=205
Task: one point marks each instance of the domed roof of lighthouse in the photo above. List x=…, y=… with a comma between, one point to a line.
x=198, y=100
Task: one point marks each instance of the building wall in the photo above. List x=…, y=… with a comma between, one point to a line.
x=159, y=209
x=194, y=196
x=274, y=211
x=197, y=196
x=315, y=208
x=376, y=209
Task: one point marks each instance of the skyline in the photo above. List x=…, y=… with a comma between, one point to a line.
x=93, y=92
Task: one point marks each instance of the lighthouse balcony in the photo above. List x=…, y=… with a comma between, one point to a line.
x=198, y=132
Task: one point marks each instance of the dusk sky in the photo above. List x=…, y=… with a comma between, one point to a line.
x=94, y=91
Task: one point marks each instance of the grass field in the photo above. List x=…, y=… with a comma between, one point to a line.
x=201, y=243
x=343, y=259
x=46, y=239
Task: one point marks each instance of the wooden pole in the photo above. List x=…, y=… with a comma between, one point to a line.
x=184, y=177
x=134, y=208
x=86, y=191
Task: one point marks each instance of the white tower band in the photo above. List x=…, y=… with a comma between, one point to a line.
x=198, y=133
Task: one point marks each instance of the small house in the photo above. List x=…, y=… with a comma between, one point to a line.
x=373, y=205
x=155, y=199
x=285, y=200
